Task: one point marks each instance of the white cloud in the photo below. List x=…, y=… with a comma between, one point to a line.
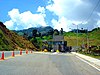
x=25, y=20
x=9, y=24
x=64, y=23
x=61, y=23
x=75, y=11
x=41, y=9
x=98, y=23
x=67, y=8
x=67, y=12
x=76, y=22
x=14, y=14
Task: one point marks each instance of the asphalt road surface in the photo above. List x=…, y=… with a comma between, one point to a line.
x=46, y=64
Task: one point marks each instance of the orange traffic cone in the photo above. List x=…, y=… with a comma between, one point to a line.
x=26, y=51
x=13, y=54
x=20, y=52
x=2, y=56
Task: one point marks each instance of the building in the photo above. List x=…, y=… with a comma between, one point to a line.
x=58, y=43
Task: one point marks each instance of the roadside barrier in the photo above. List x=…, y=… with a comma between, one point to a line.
x=2, y=56
x=13, y=54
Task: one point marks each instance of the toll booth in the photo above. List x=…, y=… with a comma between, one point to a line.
x=58, y=43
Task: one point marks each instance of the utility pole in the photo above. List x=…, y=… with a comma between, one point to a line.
x=87, y=38
x=77, y=36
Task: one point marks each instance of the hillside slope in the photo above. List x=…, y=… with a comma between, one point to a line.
x=93, y=38
x=9, y=40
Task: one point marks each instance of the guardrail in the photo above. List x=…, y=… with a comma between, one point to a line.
x=4, y=54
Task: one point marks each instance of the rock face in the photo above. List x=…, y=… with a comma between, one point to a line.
x=9, y=40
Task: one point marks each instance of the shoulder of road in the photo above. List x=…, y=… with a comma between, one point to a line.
x=89, y=59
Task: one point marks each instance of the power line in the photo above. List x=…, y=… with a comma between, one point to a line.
x=92, y=11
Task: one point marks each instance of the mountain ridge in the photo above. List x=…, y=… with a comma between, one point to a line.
x=42, y=30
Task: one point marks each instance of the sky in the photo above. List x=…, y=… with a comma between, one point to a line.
x=66, y=14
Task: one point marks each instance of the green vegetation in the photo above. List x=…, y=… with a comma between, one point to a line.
x=37, y=38
x=89, y=43
x=47, y=37
x=93, y=38
x=37, y=41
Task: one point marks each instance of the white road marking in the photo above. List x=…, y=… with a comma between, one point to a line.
x=88, y=63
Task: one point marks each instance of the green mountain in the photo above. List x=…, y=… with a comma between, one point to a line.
x=43, y=30
x=9, y=40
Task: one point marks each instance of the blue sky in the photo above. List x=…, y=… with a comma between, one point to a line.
x=23, y=14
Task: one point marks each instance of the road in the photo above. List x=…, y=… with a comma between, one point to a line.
x=46, y=64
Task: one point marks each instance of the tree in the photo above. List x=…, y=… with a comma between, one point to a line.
x=25, y=35
x=50, y=32
x=40, y=35
x=34, y=33
x=56, y=32
x=61, y=31
x=29, y=37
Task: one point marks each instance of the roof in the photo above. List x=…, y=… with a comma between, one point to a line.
x=58, y=38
